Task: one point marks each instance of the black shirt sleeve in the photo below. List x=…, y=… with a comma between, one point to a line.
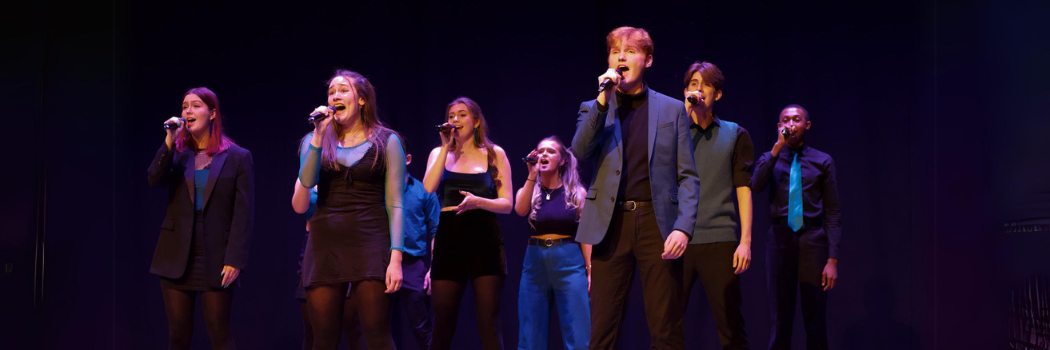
x=743, y=158
x=830, y=191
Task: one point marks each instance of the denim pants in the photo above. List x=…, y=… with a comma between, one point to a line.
x=554, y=274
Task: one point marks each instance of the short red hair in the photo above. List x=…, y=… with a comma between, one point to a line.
x=634, y=36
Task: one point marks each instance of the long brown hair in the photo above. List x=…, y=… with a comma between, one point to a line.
x=570, y=180
x=369, y=112
x=481, y=135
x=217, y=140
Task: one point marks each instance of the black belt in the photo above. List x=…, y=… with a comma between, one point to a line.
x=806, y=222
x=633, y=205
x=550, y=241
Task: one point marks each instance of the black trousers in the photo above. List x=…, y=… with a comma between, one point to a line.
x=413, y=300
x=635, y=240
x=712, y=263
x=795, y=262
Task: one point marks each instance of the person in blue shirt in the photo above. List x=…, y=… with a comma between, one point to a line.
x=422, y=212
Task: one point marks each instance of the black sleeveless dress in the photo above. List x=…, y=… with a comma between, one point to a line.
x=350, y=231
x=470, y=244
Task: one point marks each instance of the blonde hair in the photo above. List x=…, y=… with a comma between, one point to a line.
x=570, y=180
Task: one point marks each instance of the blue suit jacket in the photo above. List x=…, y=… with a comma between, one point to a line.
x=672, y=174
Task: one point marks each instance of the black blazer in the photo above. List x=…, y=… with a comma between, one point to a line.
x=229, y=211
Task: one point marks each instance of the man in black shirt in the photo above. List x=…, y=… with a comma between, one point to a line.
x=641, y=205
x=803, y=246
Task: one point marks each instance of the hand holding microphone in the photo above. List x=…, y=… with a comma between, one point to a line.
x=445, y=131
x=173, y=126
x=530, y=161
x=320, y=113
x=694, y=98
x=785, y=134
x=174, y=123
x=611, y=78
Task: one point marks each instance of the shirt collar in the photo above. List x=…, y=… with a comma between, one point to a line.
x=801, y=151
x=634, y=99
x=714, y=123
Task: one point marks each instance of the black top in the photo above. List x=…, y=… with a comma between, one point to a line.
x=553, y=217
x=634, y=127
x=820, y=195
x=479, y=184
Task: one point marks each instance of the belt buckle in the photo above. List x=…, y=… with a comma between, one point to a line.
x=633, y=205
x=548, y=242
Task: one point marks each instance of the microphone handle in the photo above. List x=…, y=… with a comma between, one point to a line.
x=315, y=116
x=169, y=125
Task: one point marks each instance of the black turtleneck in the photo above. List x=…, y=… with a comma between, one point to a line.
x=633, y=112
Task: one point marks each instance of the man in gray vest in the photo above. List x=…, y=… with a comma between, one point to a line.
x=724, y=157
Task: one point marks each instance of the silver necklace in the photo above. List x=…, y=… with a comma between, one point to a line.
x=548, y=193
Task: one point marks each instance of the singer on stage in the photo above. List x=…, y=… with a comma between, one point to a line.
x=356, y=231
x=555, y=270
x=802, y=250
x=204, y=239
x=350, y=322
x=471, y=176
x=641, y=207
x=724, y=157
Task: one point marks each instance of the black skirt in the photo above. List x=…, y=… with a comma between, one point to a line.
x=194, y=277
x=467, y=246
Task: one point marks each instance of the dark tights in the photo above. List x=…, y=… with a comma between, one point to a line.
x=447, y=295
x=326, y=304
x=216, y=305
x=351, y=327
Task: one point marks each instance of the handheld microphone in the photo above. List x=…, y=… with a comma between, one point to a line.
x=608, y=82
x=785, y=132
x=529, y=160
x=446, y=127
x=170, y=125
x=315, y=116
x=693, y=100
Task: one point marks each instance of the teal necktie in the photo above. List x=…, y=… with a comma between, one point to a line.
x=795, y=195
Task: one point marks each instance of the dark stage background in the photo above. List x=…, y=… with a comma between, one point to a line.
x=929, y=108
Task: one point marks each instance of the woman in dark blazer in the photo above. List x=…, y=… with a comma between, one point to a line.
x=203, y=243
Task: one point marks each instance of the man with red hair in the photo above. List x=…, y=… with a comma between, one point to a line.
x=641, y=206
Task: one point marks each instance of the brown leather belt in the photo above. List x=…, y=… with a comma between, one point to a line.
x=633, y=205
x=550, y=241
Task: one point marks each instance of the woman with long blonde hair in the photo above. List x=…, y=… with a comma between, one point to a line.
x=555, y=264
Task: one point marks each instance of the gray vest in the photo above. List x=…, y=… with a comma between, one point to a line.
x=716, y=215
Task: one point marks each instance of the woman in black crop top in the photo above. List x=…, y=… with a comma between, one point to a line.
x=555, y=264
x=472, y=177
